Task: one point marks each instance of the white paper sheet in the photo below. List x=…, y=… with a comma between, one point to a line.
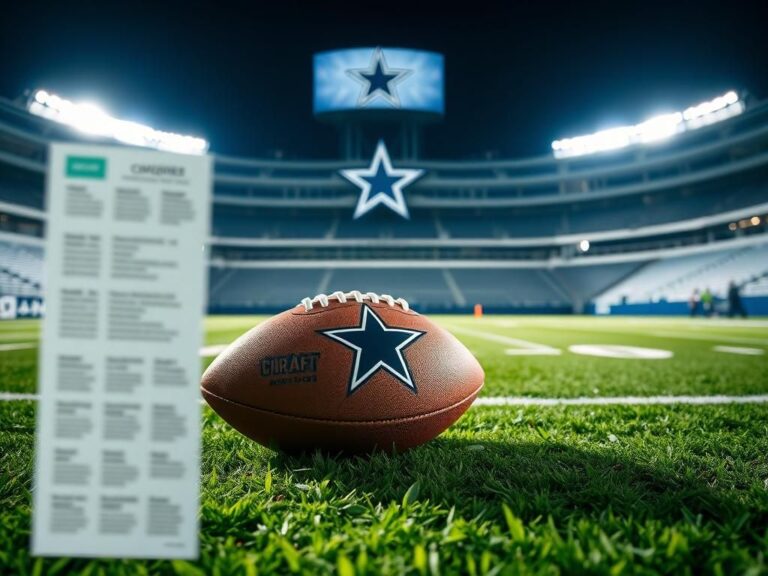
x=118, y=427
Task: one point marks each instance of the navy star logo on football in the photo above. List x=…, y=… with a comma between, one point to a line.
x=376, y=347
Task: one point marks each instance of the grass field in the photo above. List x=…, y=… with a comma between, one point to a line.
x=679, y=489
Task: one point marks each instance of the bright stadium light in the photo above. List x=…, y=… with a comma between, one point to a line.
x=653, y=130
x=584, y=245
x=91, y=119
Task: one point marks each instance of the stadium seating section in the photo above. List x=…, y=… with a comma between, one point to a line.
x=675, y=279
x=21, y=270
x=436, y=289
x=283, y=229
x=635, y=212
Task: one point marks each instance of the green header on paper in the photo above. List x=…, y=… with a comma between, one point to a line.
x=86, y=167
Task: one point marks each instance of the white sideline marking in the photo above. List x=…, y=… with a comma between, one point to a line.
x=581, y=401
x=10, y=396
x=687, y=323
x=532, y=352
x=712, y=338
x=619, y=400
x=520, y=346
x=205, y=351
x=739, y=350
x=623, y=352
x=17, y=346
x=506, y=323
x=27, y=335
x=717, y=322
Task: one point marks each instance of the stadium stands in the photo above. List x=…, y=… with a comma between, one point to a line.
x=244, y=222
x=583, y=283
x=240, y=289
x=513, y=288
x=420, y=225
x=660, y=220
x=425, y=288
x=432, y=289
x=674, y=279
x=757, y=287
x=542, y=221
x=21, y=270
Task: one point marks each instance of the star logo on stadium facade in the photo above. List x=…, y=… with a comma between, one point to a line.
x=376, y=347
x=379, y=80
x=380, y=183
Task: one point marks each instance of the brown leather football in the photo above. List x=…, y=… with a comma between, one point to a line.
x=349, y=372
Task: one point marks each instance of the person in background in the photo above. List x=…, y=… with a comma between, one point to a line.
x=735, y=306
x=706, y=302
x=693, y=302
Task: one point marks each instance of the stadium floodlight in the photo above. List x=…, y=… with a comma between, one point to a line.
x=91, y=119
x=584, y=245
x=653, y=130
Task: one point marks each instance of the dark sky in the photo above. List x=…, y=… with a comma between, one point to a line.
x=518, y=74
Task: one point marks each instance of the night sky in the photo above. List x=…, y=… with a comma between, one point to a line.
x=518, y=74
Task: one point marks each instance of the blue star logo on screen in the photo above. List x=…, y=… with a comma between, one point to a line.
x=376, y=347
x=379, y=80
x=380, y=183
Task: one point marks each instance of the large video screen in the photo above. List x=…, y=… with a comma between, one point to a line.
x=378, y=79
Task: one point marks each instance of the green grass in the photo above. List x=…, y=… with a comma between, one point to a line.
x=588, y=489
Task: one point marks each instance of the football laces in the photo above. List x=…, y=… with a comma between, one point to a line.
x=342, y=297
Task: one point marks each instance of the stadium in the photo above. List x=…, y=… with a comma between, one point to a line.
x=613, y=290
x=634, y=230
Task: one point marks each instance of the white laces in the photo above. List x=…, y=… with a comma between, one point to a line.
x=342, y=297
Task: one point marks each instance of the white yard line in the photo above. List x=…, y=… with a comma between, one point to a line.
x=711, y=338
x=726, y=322
x=739, y=350
x=17, y=346
x=521, y=347
x=205, y=351
x=581, y=401
x=619, y=400
x=19, y=335
x=11, y=396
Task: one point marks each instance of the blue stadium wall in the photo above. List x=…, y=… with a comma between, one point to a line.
x=753, y=305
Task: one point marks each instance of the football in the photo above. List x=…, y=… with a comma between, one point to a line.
x=345, y=372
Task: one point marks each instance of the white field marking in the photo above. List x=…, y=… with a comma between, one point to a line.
x=739, y=350
x=619, y=400
x=712, y=338
x=726, y=322
x=213, y=350
x=205, y=351
x=11, y=396
x=505, y=323
x=681, y=322
x=623, y=352
x=532, y=352
x=594, y=328
x=580, y=401
x=30, y=335
x=17, y=346
x=521, y=347
x=612, y=328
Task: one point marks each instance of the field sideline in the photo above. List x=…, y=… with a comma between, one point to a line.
x=596, y=485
